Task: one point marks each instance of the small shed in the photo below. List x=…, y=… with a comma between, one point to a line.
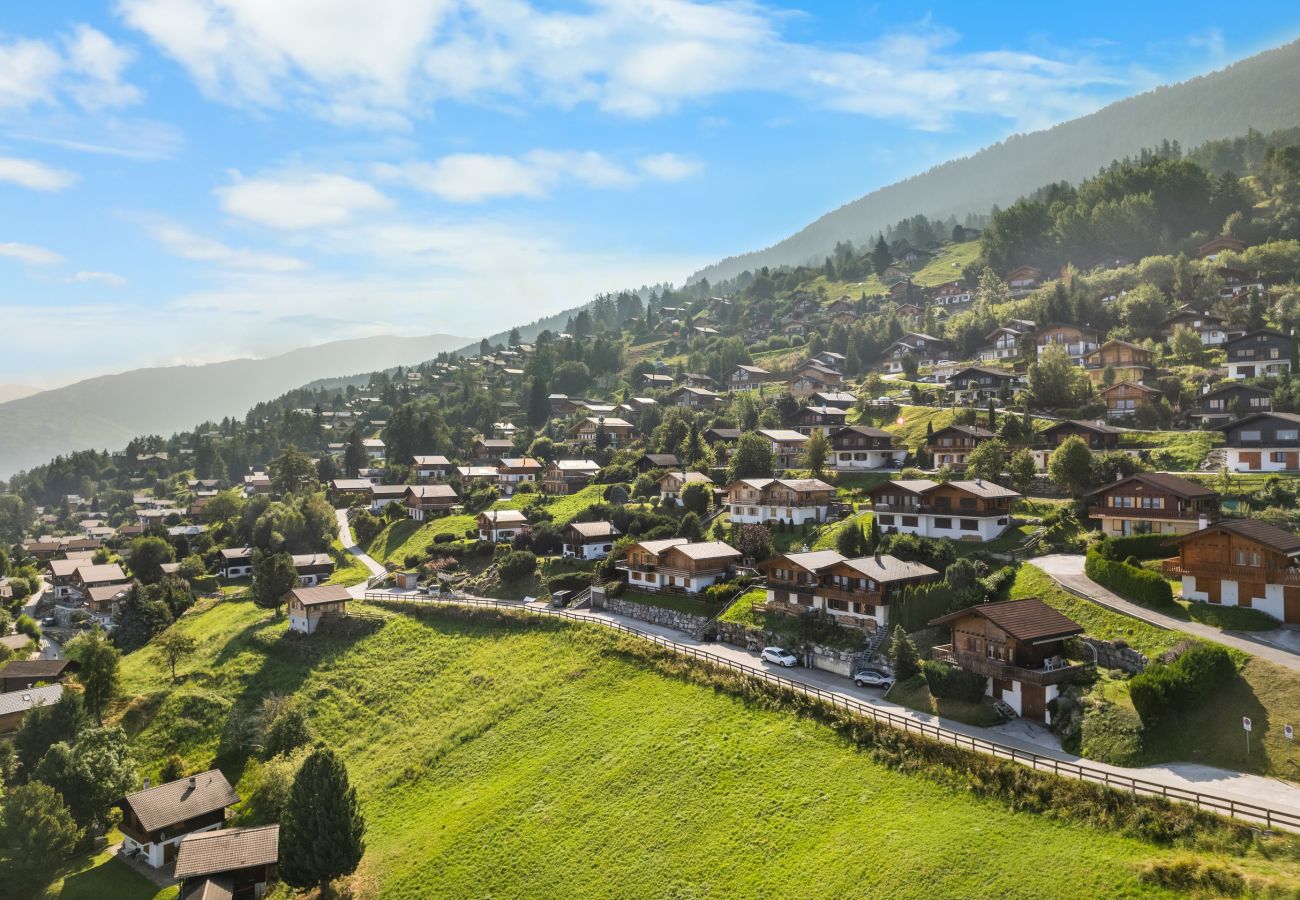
x=308, y=605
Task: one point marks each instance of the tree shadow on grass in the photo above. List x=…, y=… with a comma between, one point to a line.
x=1212, y=734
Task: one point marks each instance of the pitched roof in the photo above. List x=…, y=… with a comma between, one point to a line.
x=783, y=435
x=659, y=546
x=236, y=552
x=1270, y=536
x=1173, y=484
x=431, y=491
x=39, y=669
x=982, y=488
x=886, y=568
x=594, y=529
x=1086, y=425
x=21, y=701
x=972, y=430
x=503, y=516
x=176, y=801
x=1294, y=418
x=691, y=477
x=210, y=889
x=577, y=465
x=430, y=461
x=662, y=459
x=707, y=550
x=301, y=560
x=102, y=573
x=1029, y=620
x=227, y=850
x=865, y=430
x=812, y=560
x=321, y=593
x=1132, y=384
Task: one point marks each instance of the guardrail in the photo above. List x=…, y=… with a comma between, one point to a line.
x=1270, y=818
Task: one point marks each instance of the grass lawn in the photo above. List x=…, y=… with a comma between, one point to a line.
x=1012, y=539
x=98, y=876
x=831, y=533
x=554, y=759
x=915, y=694
x=409, y=536
x=563, y=509
x=1184, y=450
x=678, y=602
x=351, y=572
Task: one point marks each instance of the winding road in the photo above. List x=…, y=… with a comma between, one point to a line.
x=350, y=545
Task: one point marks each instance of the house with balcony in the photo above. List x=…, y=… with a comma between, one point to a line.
x=427, y=501
x=236, y=562
x=568, y=476
x=1019, y=646
x=952, y=444
x=588, y=540
x=87, y=576
x=924, y=348
x=1259, y=354
x=962, y=510
x=814, y=376
x=617, y=431
x=1211, y=329
x=1125, y=398
x=155, y=820
x=677, y=564
x=853, y=592
x=672, y=483
x=787, y=446
x=862, y=447
x=426, y=468
x=845, y=400
x=1212, y=248
x=383, y=494
x=512, y=471
x=500, y=525
x=757, y=501
x=1099, y=436
x=1232, y=400
x=953, y=296
x=1076, y=340
x=1004, y=341
x=977, y=384
x=236, y=863
x=1153, y=503
x=820, y=418
x=692, y=397
x=1263, y=442
x=313, y=568
x=1023, y=279
x=747, y=378
x=309, y=606
x=1126, y=362
x=1241, y=562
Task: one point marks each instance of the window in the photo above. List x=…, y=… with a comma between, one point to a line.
x=1248, y=435
x=886, y=520
x=1245, y=558
x=943, y=523
x=909, y=521
x=1277, y=456
x=1288, y=434
x=969, y=525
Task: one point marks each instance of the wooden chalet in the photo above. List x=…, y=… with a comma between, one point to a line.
x=1211, y=329
x=500, y=525
x=1024, y=278
x=313, y=568
x=747, y=378
x=859, y=447
x=1240, y=562
x=424, y=501
x=1097, y=435
x=309, y=605
x=672, y=483
x=677, y=564
x=514, y=471
x=1126, y=362
x=976, y=384
x=763, y=500
x=854, y=592
x=236, y=562
x=1125, y=398
x=1259, y=354
x=1076, y=340
x=588, y=540
x=1212, y=248
x=962, y=510
x=617, y=431
x=568, y=476
x=155, y=820
x=820, y=418
x=1153, y=503
x=1232, y=400
x=787, y=446
x=14, y=705
x=1263, y=442
x=952, y=444
x=426, y=468
x=651, y=462
x=233, y=863
x=23, y=674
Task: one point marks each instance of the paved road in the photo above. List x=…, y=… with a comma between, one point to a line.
x=1020, y=734
x=1067, y=570
x=350, y=545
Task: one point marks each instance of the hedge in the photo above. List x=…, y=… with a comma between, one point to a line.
x=1182, y=684
x=1142, y=546
x=949, y=682
x=1141, y=586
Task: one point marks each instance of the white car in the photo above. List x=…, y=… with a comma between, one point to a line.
x=779, y=656
x=873, y=678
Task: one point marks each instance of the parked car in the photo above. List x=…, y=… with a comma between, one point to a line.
x=873, y=678
x=48, y=621
x=779, y=656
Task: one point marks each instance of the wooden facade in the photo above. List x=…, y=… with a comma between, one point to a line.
x=1152, y=503
x=951, y=445
x=1241, y=562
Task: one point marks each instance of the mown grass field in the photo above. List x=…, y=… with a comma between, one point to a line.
x=98, y=876
x=553, y=760
x=1210, y=733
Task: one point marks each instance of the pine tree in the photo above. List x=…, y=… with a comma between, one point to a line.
x=873, y=539
x=539, y=406
x=321, y=832
x=850, y=542
x=902, y=655
x=881, y=256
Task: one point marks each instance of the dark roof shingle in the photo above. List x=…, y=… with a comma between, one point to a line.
x=1025, y=620
x=176, y=801
x=227, y=850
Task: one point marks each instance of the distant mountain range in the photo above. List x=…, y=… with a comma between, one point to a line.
x=1260, y=92
x=106, y=412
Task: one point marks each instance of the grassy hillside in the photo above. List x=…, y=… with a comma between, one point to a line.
x=549, y=759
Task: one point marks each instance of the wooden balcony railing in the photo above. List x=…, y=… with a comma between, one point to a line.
x=996, y=668
x=1175, y=567
x=1134, y=512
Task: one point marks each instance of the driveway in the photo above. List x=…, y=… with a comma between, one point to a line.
x=1067, y=571
x=350, y=545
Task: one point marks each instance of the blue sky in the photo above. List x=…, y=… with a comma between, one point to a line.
x=193, y=180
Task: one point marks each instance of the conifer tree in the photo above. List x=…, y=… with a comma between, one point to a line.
x=903, y=655
x=322, y=831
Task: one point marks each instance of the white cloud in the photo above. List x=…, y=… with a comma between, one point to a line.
x=188, y=245
x=358, y=64
x=28, y=71
x=112, y=279
x=34, y=175
x=99, y=63
x=29, y=253
x=475, y=177
x=299, y=200
x=88, y=70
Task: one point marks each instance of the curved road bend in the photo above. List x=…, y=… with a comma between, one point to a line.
x=350, y=545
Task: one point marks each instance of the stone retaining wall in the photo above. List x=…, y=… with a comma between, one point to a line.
x=1111, y=655
x=655, y=615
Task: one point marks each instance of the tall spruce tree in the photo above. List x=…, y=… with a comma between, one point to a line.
x=322, y=831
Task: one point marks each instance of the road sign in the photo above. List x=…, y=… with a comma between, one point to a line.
x=1288, y=732
x=1245, y=722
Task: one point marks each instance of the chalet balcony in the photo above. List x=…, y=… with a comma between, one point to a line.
x=996, y=668
x=1174, y=568
x=936, y=510
x=672, y=570
x=872, y=598
x=1240, y=444
x=1133, y=512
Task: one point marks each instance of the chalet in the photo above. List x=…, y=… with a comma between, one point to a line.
x=617, y=431
x=374, y=449
x=313, y=568
x=1024, y=278
x=962, y=510
x=87, y=577
x=653, y=461
x=1004, y=341
x=1238, y=283
x=951, y=295
x=676, y=564
x=656, y=382
x=568, y=476
x=236, y=562
x=230, y=863
x=426, y=467
x=854, y=592
x=14, y=705
x=156, y=819
x=22, y=674
x=1241, y=562
x=1153, y=503
x=383, y=494
x=1212, y=248
x=812, y=377
x=1263, y=442
x=102, y=601
x=491, y=448
x=975, y=384
x=343, y=489
x=514, y=471
x=837, y=399
x=1076, y=340
x=697, y=379
x=857, y=447
x=914, y=255
x=1232, y=401
x=923, y=348
x=952, y=444
x=907, y=311
x=747, y=378
x=1019, y=645
x=762, y=500
x=424, y=501
x=1259, y=353
x=61, y=577
x=1211, y=329
x=694, y=397
x=1126, y=362
x=787, y=446
x=589, y=540
x=672, y=483
x=1125, y=398
x=500, y=525
x=309, y=605
x=715, y=436
x=820, y=418
x=1097, y=435
x=831, y=360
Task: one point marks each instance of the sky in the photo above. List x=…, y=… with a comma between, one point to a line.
x=185, y=181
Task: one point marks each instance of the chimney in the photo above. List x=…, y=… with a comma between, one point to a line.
x=194, y=782
x=979, y=481
x=146, y=784
x=878, y=556
x=1202, y=523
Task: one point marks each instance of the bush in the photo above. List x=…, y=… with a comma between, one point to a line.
x=365, y=527
x=1141, y=546
x=615, y=588
x=1185, y=683
x=444, y=538
x=1141, y=586
x=517, y=565
x=952, y=683
x=412, y=560
x=27, y=625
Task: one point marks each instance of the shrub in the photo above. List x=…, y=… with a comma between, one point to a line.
x=1138, y=585
x=953, y=683
x=1141, y=546
x=365, y=527
x=1184, y=683
x=412, y=560
x=615, y=588
x=444, y=538
x=517, y=565
x=27, y=625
